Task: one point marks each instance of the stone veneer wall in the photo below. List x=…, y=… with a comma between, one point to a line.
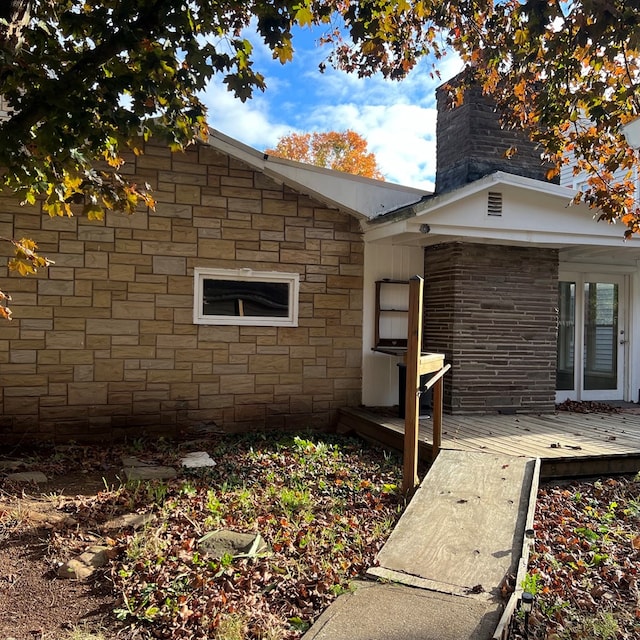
x=103, y=343
x=492, y=311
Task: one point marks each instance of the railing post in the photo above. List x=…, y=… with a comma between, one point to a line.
x=412, y=397
x=437, y=417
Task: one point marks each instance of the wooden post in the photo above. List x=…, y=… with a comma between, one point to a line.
x=437, y=381
x=412, y=396
x=437, y=417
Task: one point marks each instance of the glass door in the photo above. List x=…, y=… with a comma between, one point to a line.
x=591, y=338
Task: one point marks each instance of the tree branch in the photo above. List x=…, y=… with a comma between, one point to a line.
x=85, y=69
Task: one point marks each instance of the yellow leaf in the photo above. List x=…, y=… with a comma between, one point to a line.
x=27, y=243
x=94, y=212
x=57, y=208
x=21, y=267
x=284, y=53
x=304, y=16
x=521, y=37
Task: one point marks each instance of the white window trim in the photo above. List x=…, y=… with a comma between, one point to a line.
x=200, y=274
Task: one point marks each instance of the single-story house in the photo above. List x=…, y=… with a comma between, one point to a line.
x=236, y=304
x=256, y=294
x=531, y=299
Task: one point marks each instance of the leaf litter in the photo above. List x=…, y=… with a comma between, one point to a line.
x=585, y=564
x=320, y=507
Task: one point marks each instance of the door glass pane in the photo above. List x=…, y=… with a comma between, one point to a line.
x=600, y=335
x=565, y=375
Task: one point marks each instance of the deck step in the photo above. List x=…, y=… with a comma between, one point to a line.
x=568, y=444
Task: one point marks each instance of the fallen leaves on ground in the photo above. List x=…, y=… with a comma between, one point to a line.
x=587, y=406
x=324, y=506
x=585, y=565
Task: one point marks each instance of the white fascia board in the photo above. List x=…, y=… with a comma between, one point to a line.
x=368, y=197
x=390, y=231
x=235, y=148
x=536, y=237
x=534, y=212
x=360, y=196
x=499, y=178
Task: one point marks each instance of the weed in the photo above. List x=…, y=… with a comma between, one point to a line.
x=605, y=626
x=82, y=633
x=292, y=500
x=298, y=624
x=531, y=583
x=145, y=544
x=338, y=589
x=550, y=610
x=389, y=488
x=157, y=492
x=633, y=508
x=214, y=506
x=231, y=627
x=226, y=560
x=188, y=489
x=270, y=631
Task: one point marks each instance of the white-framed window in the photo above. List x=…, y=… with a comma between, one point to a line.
x=245, y=297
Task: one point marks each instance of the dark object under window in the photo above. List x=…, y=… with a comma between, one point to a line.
x=245, y=298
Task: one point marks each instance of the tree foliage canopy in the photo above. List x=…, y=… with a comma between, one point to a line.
x=568, y=74
x=88, y=80
x=340, y=150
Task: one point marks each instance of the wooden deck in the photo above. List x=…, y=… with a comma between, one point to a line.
x=568, y=444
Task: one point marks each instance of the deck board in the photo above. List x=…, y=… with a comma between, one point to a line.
x=588, y=443
x=531, y=431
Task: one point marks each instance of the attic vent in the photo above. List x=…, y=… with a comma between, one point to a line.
x=494, y=204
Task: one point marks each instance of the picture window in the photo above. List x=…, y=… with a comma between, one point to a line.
x=246, y=297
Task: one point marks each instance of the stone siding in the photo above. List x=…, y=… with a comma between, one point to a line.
x=103, y=343
x=492, y=311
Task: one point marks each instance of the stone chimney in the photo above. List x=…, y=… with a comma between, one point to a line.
x=471, y=143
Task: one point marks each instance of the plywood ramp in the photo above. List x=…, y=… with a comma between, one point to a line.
x=441, y=571
x=463, y=530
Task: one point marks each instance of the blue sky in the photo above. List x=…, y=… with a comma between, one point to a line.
x=397, y=119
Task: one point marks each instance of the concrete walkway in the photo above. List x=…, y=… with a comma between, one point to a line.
x=441, y=573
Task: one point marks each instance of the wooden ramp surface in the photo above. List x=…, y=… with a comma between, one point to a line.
x=442, y=567
x=463, y=530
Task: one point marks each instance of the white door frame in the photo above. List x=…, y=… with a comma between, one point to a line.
x=578, y=392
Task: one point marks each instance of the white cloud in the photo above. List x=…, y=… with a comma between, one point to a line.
x=250, y=122
x=402, y=136
x=397, y=119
